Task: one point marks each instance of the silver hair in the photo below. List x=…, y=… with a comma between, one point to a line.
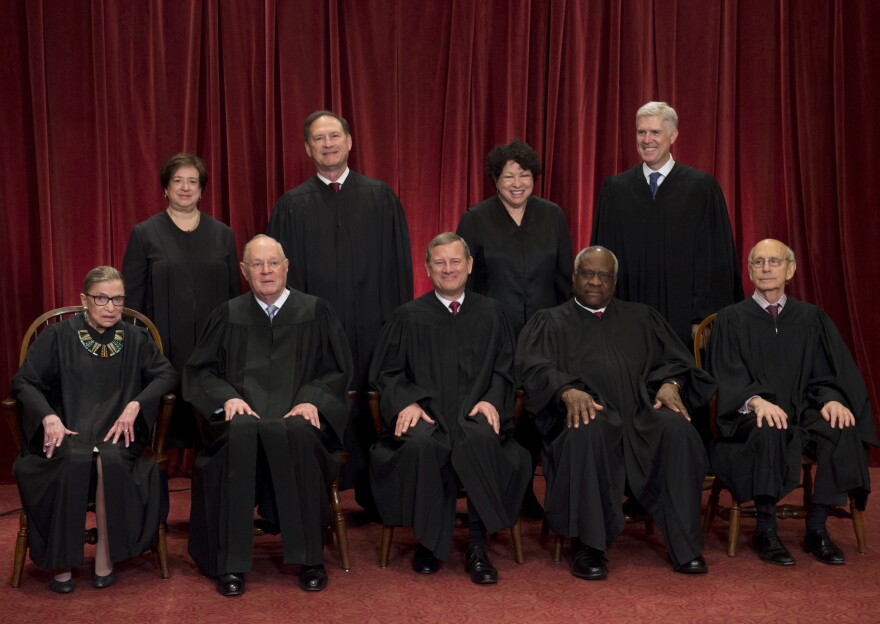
x=658, y=109
x=101, y=274
x=789, y=253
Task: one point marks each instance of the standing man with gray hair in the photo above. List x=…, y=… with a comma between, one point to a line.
x=668, y=225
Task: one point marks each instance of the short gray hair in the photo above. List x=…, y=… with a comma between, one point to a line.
x=658, y=109
x=789, y=252
x=247, y=247
x=447, y=238
x=101, y=274
x=594, y=249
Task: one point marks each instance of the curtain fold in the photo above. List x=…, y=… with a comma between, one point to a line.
x=777, y=99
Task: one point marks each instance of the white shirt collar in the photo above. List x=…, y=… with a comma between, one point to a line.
x=762, y=301
x=591, y=310
x=281, y=299
x=446, y=302
x=663, y=171
x=341, y=179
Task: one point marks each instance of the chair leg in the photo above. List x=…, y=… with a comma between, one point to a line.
x=712, y=506
x=339, y=524
x=385, y=548
x=858, y=521
x=557, y=548
x=516, y=535
x=162, y=552
x=21, y=544
x=733, y=528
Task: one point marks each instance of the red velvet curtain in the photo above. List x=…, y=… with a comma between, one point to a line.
x=777, y=98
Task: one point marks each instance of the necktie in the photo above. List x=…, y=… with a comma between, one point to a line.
x=600, y=314
x=654, y=177
x=454, y=307
x=271, y=310
x=335, y=186
x=773, y=309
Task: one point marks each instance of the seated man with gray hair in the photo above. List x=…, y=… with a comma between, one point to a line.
x=787, y=385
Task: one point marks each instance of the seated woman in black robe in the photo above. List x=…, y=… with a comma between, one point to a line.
x=89, y=391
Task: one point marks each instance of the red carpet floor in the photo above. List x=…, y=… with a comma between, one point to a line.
x=641, y=586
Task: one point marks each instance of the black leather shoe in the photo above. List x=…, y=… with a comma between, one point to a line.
x=313, y=578
x=230, y=584
x=424, y=561
x=819, y=544
x=61, y=587
x=477, y=564
x=589, y=564
x=697, y=565
x=100, y=582
x=770, y=548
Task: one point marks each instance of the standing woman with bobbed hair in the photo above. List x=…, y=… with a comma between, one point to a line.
x=179, y=265
x=522, y=252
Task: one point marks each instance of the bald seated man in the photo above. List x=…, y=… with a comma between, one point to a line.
x=787, y=385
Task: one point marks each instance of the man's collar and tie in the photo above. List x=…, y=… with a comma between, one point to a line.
x=336, y=185
x=656, y=178
x=766, y=305
x=452, y=306
x=599, y=313
x=272, y=309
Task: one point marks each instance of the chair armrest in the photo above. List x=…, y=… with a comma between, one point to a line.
x=160, y=433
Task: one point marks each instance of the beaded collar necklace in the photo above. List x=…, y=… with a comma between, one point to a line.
x=101, y=350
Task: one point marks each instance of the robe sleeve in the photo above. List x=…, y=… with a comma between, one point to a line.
x=564, y=260
x=402, y=260
x=234, y=273
x=135, y=270
x=36, y=383
x=537, y=366
x=388, y=372
x=333, y=374
x=156, y=372
x=468, y=230
x=204, y=383
x=500, y=390
x=717, y=281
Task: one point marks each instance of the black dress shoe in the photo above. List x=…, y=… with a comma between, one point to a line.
x=819, y=544
x=61, y=587
x=770, y=548
x=230, y=584
x=589, y=564
x=313, y=578
x=424, y=561
x=477, y=564
x=100, y=582
x=697, y=565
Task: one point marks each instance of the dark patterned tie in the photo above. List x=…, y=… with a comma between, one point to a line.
x=654, y=177
x=600, y=314
x=335, y=186
x=773, y=309
x=454, y=306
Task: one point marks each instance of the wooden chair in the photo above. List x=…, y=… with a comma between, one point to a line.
x=156, y=450
x=737, y=510
x=337, y=527
x=388, y=530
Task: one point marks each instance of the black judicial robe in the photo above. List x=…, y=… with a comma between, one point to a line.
x=527, y=267
x=88, y=393
x=622, y=360
x=676, y=250
x=283, y=465
x=352, y=249
x=447, y=364
x=800, y=362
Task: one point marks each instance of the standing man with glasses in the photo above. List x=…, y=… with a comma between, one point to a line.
x=269, y=374
x=347, y=239
x=787, y=385
x=613, y=388
x=668, y=225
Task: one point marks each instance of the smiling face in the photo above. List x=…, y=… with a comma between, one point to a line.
x=105, y=316
x=184, y=190
x=654, y=139
x=448, y=269
x=770, y=280
x=594, y=279
x=328, y=146
x=265, y=269
x=515, y=185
